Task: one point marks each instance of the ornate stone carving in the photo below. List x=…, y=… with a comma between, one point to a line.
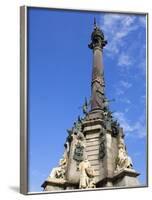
x=102, y=146
x=79, y=148
x=78, y=152
x=75, y=130
x=86, y=175
x=85, y=107
x=97, y=39
x=115, y=128
x=123, y=160
x=77, y=126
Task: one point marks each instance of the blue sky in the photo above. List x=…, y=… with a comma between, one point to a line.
x=60, y=65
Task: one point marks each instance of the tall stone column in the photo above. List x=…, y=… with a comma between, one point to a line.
x=97, y=84
x=94, y=123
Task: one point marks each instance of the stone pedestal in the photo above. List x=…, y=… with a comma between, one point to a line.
x=127, y=178
x=54, y=184
x=123, y=178
x=103, y=150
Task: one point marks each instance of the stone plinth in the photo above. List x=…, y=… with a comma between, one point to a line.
x=123, y=178
x=127, y=178
x=54, y=184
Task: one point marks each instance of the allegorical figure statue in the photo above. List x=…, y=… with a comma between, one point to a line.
x=86, y=175
x=123, y=160
x=59, y=172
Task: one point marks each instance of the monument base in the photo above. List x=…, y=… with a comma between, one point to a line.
x=127, y=178
x=123, y=178
x=54, y=184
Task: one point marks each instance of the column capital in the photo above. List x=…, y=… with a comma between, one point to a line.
x=97, y=39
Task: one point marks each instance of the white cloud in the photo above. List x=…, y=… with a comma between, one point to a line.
x=143, y=99
x=137, y=154
x=119, y=91
x=124, y=60
x=126, y=110
x=125, y=84
x=142, y=66
x=121, y=88
x=37, y=173
x=125, y=100
x=137, y=129
x=142, y=57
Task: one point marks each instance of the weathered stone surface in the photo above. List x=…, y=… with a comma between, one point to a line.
x=93, y=135
x=92, y=142
x=73, y=174
x=70, y=188
x=127, y=181
x=114, y=152
x=93, y=152
x=127, y=178
x=93, y=157
x=92, y=148
x=53, y=188
x=52, y=184
x=92, y=128
x=97, y=173
x=96, y=167
x=93, y=118
x=94, y=162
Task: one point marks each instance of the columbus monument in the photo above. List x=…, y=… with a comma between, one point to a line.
x=95, y=154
